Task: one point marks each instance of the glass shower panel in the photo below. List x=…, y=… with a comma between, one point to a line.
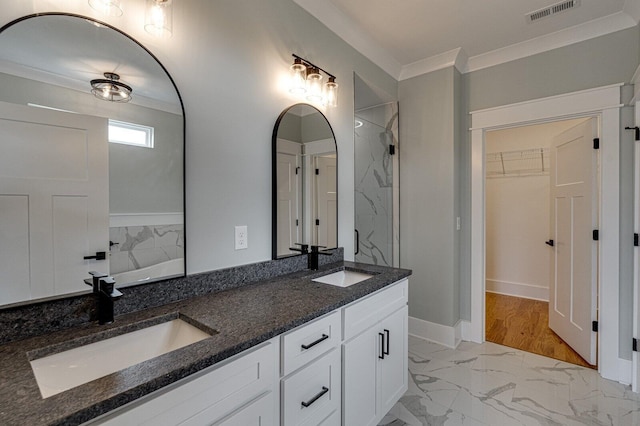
x=375, y=174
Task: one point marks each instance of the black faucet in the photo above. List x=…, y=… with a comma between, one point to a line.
x=312, y=263
x=103, y=288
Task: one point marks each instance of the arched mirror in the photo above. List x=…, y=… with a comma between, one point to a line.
x=304, y=181
x=86, y=183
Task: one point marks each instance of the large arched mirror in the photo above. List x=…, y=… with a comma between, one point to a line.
x=304, y=181
x=86, y=183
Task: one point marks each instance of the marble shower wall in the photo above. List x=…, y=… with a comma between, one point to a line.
x=137, y=247
x=376, y=171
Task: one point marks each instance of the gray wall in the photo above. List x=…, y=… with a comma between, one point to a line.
x=593, y=63
x=428, y=193
x=141, y=180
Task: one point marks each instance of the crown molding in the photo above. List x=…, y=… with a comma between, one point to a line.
x=453, y=58
x=586, y=31
x=331, y=17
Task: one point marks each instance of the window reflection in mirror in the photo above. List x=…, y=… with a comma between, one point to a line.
x=304, y=181
x=134, y=208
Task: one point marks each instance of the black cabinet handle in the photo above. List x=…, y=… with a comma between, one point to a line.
x=549, y=243
x=386, y=332
x=312, y=344
x=357, y=241
x=315, y=398
x=381, y=356
x=100, y=255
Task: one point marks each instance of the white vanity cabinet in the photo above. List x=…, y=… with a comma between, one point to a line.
x=375, y=355
x=241, y=391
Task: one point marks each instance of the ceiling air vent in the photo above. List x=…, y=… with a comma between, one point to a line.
x=552, y=10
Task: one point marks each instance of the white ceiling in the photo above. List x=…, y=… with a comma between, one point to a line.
x=409, y=37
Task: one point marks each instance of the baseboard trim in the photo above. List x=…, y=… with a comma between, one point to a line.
x=526, y=291
x=444, y=335
x=625, y=371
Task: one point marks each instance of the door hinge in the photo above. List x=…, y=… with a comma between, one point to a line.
x=636, y=241
x=317, y=171
x=596, y=143
x=317, y=222
x=296, y=222
x=637, y=130
x=392, y=150
x=596, y=235
x=634, y=345
x=594, y=326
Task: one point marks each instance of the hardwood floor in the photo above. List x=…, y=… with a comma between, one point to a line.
x=524, y=324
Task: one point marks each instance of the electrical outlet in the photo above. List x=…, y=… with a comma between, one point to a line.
x=242, y=240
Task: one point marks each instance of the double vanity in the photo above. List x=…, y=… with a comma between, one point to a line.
x=291, y=349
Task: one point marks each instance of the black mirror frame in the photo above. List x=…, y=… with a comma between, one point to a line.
x=184, y=130
x=274, y=177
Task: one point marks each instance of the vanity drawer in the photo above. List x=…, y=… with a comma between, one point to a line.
x=363, y=314
x=312, y=395
x=309, y=341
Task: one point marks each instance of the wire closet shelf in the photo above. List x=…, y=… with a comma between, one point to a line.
x=525, y=162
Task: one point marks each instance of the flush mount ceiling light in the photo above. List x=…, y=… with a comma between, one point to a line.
x=107, y=7
x=306, y=80
x=110, y=89
x=158, y=20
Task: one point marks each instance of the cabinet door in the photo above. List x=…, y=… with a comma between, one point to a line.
x=359, y=378
x=393, y=367
x=258, y=413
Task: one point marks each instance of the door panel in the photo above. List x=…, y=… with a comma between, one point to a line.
x=393, y=370
x=57, y=201
x=326, y=202
x=288, y=201
x=573, y=292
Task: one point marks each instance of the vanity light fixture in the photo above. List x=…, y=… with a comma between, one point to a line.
x=158, y=20
x=306, y=80
x=107, y=7
x=110, y=88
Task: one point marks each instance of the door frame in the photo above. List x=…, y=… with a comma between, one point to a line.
x=603, y=103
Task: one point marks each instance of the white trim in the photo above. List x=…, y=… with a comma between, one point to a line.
x=635, y=382
x=437, y=333
x=635, y=81
x=327, y=13
x=568, y=36
x=455, y=57
x=117, y=220
x=526, y=291
x=624, y=373
x=605, y=103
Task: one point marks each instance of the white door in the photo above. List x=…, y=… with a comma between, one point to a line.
x=635, y=378
x=54, y=199
x=288, y=207
x=326, y=208
x=573, y=283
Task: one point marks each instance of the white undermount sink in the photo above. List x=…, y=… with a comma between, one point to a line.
x=65, y=370
x=342, y=278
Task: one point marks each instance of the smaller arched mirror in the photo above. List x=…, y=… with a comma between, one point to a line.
x=304, y=181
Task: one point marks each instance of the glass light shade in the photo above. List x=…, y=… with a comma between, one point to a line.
x=314, y=85
x=107, y=7
x=331, y=92
x=110, y=89
x=158, y=20
x=298, y=76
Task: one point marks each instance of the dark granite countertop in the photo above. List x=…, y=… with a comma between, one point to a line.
x=243, y=317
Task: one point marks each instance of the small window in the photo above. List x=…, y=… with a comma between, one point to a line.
x=130, y=134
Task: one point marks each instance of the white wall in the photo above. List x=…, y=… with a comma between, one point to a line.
x=518, y=218
x=230, y=61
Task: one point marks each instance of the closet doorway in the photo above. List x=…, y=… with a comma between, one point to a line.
x=526, y=210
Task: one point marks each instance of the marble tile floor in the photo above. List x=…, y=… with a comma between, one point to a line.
x=490, y=384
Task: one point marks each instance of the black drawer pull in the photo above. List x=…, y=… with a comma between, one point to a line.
x=100, y=255
x=387, y=338
x=310, y=345
x=315, y=398
x=381, y=356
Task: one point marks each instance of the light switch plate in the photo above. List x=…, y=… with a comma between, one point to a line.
x=242, y=240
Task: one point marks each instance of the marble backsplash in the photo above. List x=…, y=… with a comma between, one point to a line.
x=135, y=247
x=21, y=322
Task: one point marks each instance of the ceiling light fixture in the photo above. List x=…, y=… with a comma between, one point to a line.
x=306, y=80
x=158, y=19
x=110, y=89
x=107, y=7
